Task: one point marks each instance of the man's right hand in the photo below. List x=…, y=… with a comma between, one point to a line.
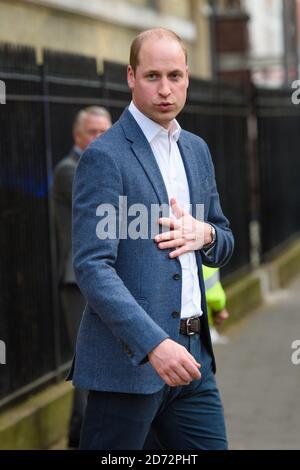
x=174, y=364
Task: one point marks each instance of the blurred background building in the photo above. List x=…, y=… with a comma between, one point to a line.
x=274, y=37
x=103, y=28
x=228, y=39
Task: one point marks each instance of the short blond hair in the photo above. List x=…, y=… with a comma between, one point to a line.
x=155, y=33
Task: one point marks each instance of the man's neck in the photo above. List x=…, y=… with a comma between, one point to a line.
x=166, y=126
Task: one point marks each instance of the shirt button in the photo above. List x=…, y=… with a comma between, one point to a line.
x=175, y=314
x=176, y=277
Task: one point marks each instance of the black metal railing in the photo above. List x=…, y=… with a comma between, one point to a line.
x=278, y=121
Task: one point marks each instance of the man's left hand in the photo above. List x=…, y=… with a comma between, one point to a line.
x=186, y=233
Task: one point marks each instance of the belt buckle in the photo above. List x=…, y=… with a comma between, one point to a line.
x=189, y=333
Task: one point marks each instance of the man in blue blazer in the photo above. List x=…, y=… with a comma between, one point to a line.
x=144, y=336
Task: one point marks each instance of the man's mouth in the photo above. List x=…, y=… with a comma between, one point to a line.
x=166, y=105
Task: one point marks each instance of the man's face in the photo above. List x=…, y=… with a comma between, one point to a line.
x=159, y=85
x=91, y=127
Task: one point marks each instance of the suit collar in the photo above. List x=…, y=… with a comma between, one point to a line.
x=144, y=154
x=191, y=169
x=150, y=128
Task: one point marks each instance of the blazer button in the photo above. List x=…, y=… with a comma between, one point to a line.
x=176, y=277
x=175, y=314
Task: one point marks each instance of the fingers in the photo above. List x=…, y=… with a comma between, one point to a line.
x=177, y=210
x=183, y=375
x=176, y=378
x=192, y=370
x=179, y=251
x=174, y=364
x=173, y=379
x=168, y=222
x=171, y=244
x=186, y=371
x=174, y=234
x=191, y=357
x=171, y=239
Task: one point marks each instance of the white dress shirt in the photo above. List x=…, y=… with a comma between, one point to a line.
x=163, y=143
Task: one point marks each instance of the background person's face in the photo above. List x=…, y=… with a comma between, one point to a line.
x=91, y=127
x=159, y=85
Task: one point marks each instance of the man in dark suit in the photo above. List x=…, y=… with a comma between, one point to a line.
x=144, y=333
x=89, y=124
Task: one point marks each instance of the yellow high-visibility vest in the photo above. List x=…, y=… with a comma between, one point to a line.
x=214, y=292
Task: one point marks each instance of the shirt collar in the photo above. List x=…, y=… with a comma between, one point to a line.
x=150, y=128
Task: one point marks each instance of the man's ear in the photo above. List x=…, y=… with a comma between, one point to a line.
x=130, y=77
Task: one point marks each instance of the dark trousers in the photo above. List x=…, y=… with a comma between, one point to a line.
x=73, y=304
x=179, y=418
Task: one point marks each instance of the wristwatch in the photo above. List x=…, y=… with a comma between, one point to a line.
x=213, y=238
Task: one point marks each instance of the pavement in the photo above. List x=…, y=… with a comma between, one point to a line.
x=259, y=384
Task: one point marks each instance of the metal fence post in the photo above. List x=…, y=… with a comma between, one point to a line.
x=53, y=249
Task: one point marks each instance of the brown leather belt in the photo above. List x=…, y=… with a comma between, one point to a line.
x=190, y=326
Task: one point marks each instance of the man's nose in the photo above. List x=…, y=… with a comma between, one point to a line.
x=164, y=89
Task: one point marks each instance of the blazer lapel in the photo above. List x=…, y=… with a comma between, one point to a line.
x=192, y=172
x=144, y=154
x=196, y=195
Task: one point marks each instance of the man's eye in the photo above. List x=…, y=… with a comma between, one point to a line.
x=152, y=76
x=175, y=76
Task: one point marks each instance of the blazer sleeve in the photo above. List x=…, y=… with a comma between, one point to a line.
x=221, y=252
x=98, y=180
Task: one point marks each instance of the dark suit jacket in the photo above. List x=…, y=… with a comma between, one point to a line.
x=62, y=198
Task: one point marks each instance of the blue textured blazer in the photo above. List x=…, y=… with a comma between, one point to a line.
x=129, y=285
